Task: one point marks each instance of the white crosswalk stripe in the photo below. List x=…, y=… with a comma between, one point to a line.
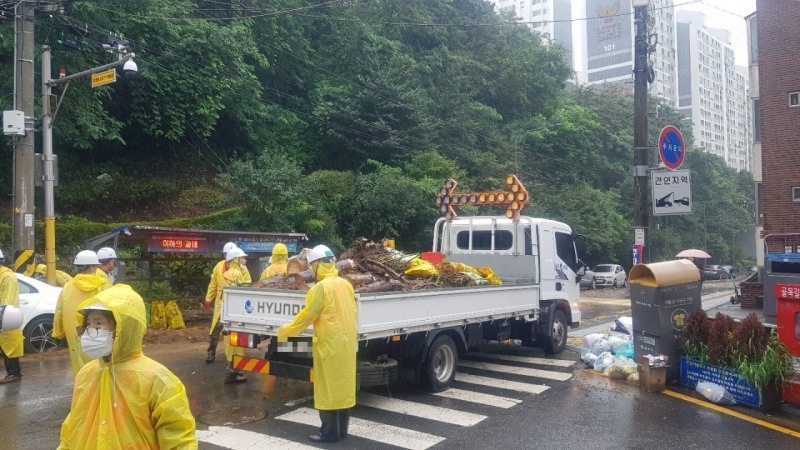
x=242, y=439
x=375, y=431
x=502, y=384
x=525, y=359
x=469, y=390
x=479, y=398
x=527, y=371
x=447, y=415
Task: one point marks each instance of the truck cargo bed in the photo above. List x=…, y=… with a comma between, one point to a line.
x=385, y=314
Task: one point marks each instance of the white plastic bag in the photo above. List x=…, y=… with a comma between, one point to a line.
x=588, y=357
x=715, y=393
x=603, y=361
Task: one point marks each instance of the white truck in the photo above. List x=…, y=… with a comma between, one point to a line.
x=419, y=335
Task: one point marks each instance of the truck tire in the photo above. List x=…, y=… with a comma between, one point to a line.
x=556, y=341
x=378, y=373
x=439, y=369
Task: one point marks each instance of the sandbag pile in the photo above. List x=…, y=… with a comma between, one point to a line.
x=372, y=267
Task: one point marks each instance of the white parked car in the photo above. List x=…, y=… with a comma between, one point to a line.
x=610, y=275
x=37, y=301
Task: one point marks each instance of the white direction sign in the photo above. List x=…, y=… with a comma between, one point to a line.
x=672, y=192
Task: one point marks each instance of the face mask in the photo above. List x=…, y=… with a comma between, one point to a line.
x=99, y=345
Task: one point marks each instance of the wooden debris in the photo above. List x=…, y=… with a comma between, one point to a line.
x=370, y=267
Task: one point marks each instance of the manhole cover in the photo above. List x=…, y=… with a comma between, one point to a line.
x=231, y=415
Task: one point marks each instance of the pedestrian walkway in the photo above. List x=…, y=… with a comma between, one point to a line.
x=483, y=379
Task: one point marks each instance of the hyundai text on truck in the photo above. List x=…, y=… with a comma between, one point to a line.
x=420, y=335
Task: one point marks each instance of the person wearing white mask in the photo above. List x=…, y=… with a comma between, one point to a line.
x=122, y=398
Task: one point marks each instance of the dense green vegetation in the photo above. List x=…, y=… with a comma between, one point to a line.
x=343, y=119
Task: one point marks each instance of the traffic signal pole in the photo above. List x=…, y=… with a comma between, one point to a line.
x=47, y=150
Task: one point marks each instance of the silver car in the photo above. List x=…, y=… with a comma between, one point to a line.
x=610, y=275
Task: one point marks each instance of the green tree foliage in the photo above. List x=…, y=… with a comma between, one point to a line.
x=343, y=119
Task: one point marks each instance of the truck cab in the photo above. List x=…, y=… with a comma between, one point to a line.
x=522, y=250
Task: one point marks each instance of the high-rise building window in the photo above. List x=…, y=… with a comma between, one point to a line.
x=757, y=121
x=754, y=40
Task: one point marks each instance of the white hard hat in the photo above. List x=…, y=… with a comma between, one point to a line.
x=95, y=305
x=319, y=252
x=10, y=318
x=86, y=258
x=106, y=253
x=234, y=253
x=228, y=247
x=1, y=254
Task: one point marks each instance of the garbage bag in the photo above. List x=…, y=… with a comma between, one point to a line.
x=158, y=316
x=617, y=343
x=588, y=357
x=597, y=343
x=624, y=325
x=715, y=393
x=622, y=368
x=491, y=277
x=626, y=351
x=421, y=268
x=173, y=316
x=603, y=361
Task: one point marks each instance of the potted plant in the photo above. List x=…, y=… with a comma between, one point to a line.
x=736, y=353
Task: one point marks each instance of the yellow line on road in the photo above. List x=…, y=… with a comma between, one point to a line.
x=729, y=412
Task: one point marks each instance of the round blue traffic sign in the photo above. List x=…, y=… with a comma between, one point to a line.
x=671, y=147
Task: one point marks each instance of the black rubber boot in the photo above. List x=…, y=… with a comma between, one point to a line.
x=212, y=348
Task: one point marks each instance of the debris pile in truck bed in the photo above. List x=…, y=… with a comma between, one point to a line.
x=372, y=267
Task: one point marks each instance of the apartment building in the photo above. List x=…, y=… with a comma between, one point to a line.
x=551, y=18
x=712, y=90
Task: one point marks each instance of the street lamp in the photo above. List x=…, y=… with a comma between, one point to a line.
x=129, y=67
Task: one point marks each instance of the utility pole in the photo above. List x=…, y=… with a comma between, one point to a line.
x=23, y=213
x=641, y=197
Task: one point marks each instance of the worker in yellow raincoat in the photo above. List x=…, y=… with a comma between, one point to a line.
x=214, y=297
x=62, y=278
x=123, y=399
x=331, y=308
x=66, y=320
x=108, y=261
x=278, y=262
x=233, y=276
x=11, y=341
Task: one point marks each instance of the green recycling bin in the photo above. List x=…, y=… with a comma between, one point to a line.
x=662, y=297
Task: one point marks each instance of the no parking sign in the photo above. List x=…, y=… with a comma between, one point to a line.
x=671, y=147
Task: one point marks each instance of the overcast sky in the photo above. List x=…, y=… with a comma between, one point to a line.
x=728, y=15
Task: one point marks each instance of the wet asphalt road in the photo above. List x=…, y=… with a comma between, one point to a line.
x=586, y=410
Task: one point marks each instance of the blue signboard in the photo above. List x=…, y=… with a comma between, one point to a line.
x=265, y=245
x=671, y=147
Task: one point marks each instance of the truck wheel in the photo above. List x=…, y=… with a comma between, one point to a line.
x=439, y=370
x=556, y=341
x=378, y=373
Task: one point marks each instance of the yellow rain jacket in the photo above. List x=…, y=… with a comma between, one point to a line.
x=62, y=278
x=131, y=401
x=214, y=291
x=11, y=342
x=277, y=267
x=234, y=276
x=102, y=274
x=67, y=318
x=331, y=307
